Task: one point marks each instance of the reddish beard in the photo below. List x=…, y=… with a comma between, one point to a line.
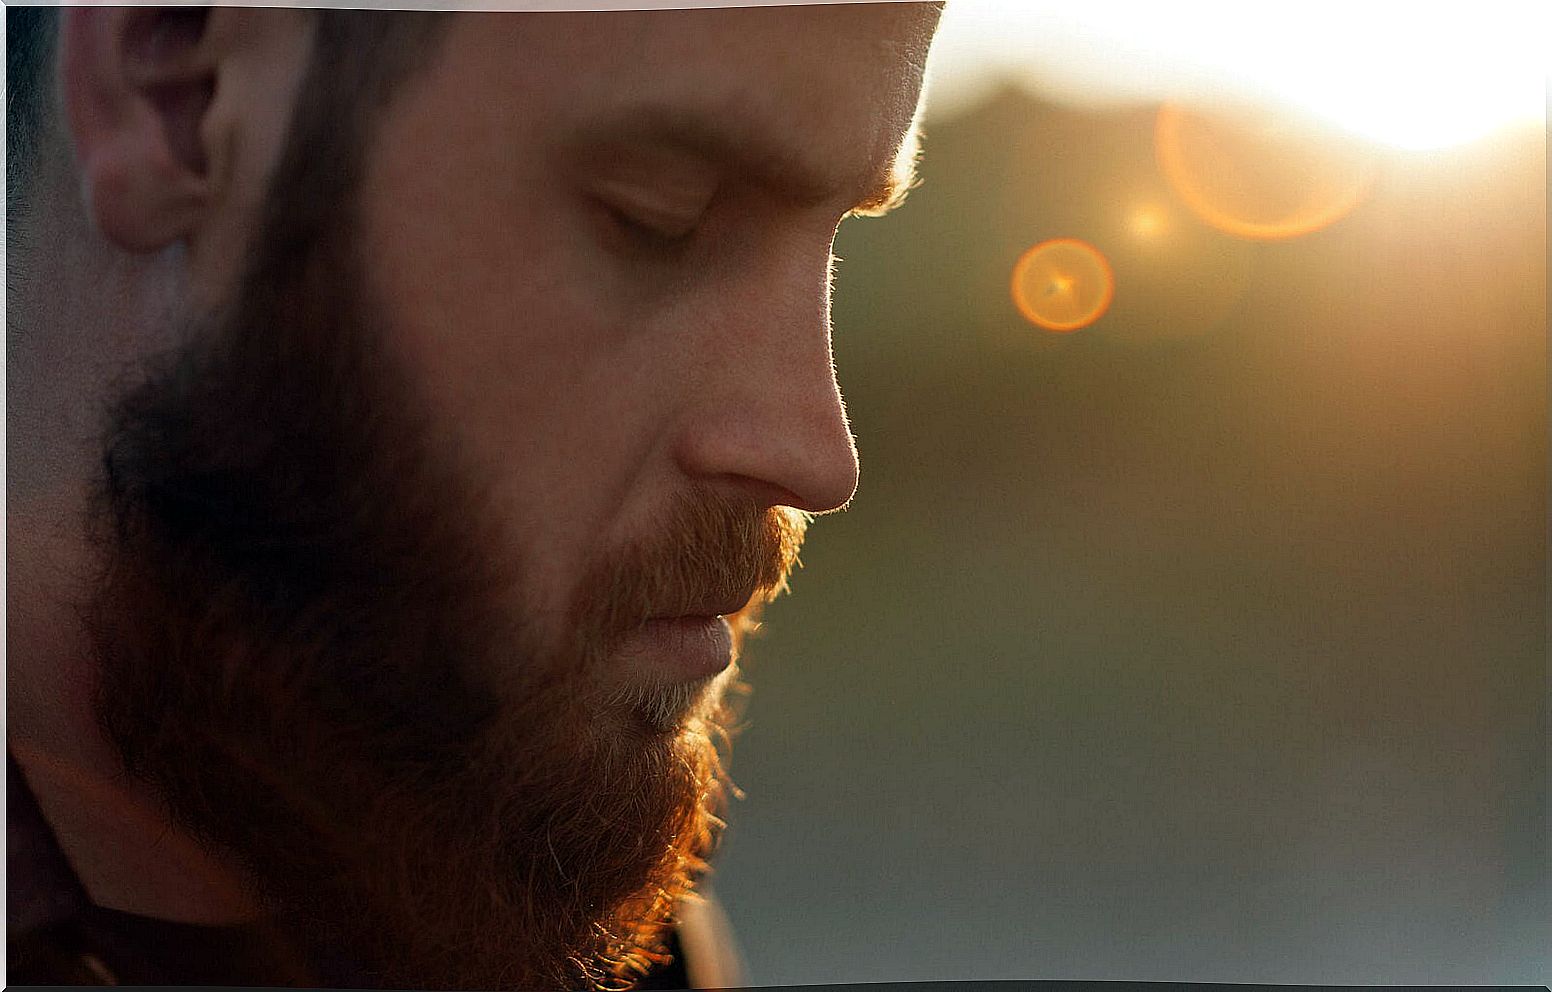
x=307, y=649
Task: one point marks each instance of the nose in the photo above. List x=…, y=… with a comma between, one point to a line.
x=765, y=414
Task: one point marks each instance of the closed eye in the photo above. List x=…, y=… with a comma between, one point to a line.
x=651, y=224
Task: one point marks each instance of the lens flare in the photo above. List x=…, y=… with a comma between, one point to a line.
x=1266, y=177
x=1063, y=284
x=1147, y=222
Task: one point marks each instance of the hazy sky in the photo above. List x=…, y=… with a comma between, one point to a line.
x=1414, y=75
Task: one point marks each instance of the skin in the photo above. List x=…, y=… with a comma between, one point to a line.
x=597, y=369
x=603, y=309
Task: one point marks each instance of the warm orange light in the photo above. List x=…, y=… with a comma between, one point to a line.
x=1267, y=179
x=1146, y=222
x=1063, y=284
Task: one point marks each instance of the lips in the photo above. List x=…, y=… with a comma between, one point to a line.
x=679, y=649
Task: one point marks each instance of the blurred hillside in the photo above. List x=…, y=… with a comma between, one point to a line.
x=1206, y=643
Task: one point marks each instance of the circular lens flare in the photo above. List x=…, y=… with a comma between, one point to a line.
x=1267, y=178
x=1062, y=284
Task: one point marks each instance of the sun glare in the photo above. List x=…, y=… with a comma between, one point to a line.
x=1415, y=76
x=1063, y=284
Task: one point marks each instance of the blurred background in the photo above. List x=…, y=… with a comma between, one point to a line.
x=1190, y=621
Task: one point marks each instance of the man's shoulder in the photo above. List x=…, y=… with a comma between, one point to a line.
x=711, y=954
x=42, y=896
x=705, y=952
x=45, y=902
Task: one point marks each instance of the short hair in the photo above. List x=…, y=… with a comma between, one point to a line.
x=29, y=63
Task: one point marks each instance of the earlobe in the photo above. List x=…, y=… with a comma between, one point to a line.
x=137, y=83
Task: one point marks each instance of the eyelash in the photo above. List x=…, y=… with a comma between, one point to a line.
x=645, y=235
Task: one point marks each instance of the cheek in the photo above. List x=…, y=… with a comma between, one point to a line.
x=527, y=370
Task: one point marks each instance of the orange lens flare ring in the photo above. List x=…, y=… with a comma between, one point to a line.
x=1263, y=179
x=1063, y=284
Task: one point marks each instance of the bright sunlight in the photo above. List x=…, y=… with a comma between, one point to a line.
x=1413, y=76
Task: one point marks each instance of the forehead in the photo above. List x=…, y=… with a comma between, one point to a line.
x=841, y=80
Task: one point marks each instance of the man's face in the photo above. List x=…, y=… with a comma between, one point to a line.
x=606, y=260
x=420, y=547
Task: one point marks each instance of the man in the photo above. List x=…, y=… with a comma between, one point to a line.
x=407, y=415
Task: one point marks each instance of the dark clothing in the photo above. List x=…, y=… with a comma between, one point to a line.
x=55, y=935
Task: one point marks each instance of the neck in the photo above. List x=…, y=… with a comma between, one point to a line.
x=123, y=846
x=125, y=849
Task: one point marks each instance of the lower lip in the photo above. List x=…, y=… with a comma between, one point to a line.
x=681, y=649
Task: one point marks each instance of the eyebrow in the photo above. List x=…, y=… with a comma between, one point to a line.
x=892, y=185
x=761, y=158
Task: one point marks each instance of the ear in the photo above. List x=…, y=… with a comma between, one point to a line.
x=137, y=85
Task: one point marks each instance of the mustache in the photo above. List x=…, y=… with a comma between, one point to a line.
x=711, y=554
